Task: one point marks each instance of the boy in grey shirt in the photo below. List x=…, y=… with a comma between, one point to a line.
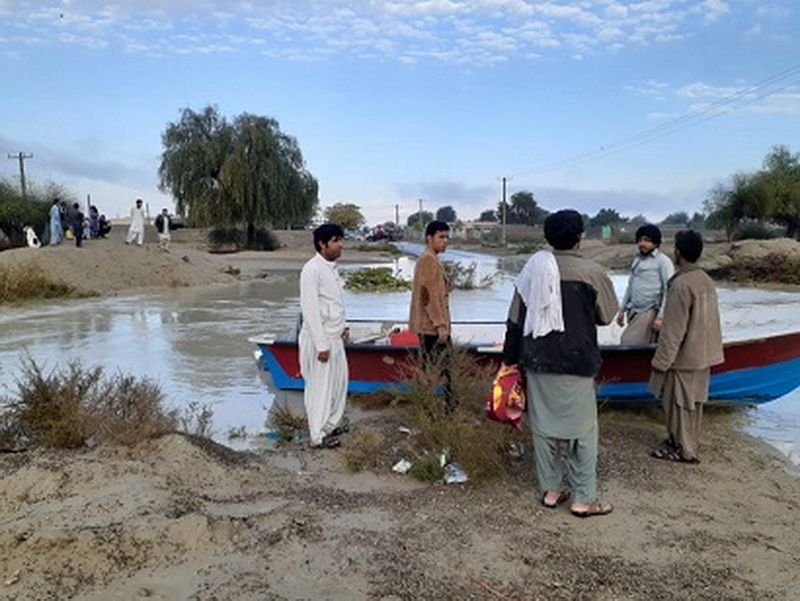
x=646, y=294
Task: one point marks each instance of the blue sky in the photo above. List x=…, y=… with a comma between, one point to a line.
x=642, y=106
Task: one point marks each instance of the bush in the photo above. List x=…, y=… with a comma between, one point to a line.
x=464, y=277
x=16, y=213
x=374, y=279
x=285, y=423
x=755, y=230
x=363, y=450
x=466, y=437
x=65, y=409
x=28, y=282
x=224, y=240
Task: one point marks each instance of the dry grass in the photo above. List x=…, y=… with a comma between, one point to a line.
x=479, y=446
x=363, y=450
x=20, y=283
x=67, y=408
x=285, y=423
x=770, y=268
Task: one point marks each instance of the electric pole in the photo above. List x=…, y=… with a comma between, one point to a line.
x=504, y=217
x=21, y=156
x=396, y=216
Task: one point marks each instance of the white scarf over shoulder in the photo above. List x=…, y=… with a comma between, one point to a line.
x=539, y=285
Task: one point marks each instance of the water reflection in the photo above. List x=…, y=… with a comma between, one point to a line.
x=193, y=341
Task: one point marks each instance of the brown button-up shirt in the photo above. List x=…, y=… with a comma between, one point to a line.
x=430, y=307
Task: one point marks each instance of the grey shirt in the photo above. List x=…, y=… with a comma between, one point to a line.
x=647, y=284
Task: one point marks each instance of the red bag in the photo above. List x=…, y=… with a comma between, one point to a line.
x=506, y=402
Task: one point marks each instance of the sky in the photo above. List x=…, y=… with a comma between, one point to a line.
x=642, y=106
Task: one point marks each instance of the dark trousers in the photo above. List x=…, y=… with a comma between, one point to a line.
x=78, y=236
x=436, y=353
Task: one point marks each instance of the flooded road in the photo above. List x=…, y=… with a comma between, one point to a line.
x=193, y=341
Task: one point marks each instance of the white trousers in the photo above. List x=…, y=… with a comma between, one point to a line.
x=325, y=390
x=134, y=233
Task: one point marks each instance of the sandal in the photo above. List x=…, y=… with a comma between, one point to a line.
x=562, y=496
x=596, y=508
x=672, y=455
x=339, y=430
x=328, y=442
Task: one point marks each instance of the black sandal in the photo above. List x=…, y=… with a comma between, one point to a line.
x=328, y=442
x=672, y=455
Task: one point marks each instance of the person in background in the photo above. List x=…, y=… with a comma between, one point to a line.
x=136, y=229
x=429, y=315
x=94, y=222
x=77, y=224
x=323, y=335
x=163, y=223
x=646, y=294
x=690, y=343
x=103, y=226
x=56, y=229
x=551, y=332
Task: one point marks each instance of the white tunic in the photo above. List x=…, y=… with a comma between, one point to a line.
x=321, y=303
x=137, y=220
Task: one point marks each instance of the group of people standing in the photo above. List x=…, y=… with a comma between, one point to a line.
x=64, y=218
x=559, y=300
x=162, y=223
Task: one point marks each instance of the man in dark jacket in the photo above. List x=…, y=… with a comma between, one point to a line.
x=77, y=224
x=551, y=332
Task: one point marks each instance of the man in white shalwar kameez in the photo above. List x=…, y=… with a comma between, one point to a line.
x=322, y=338
x=136, y=229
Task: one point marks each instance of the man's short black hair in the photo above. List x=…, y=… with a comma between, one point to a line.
x=651, y=231
x=690, y=244
x=563, y=229
x=325, y=233
x=436, y=226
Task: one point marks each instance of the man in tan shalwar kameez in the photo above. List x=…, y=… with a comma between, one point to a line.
x=689, y=344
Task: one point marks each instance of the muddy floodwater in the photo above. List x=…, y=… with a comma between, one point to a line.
x=193, y=342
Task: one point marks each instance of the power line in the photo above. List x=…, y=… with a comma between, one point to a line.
x=767, y=87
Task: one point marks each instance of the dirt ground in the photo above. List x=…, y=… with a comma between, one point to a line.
x=179, y=518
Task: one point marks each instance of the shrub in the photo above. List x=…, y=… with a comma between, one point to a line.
x=66, y=408
x=363, y=450
x=374, y=279
x=464, y=277
x=28, y=282
x=285, y=423
x=479, y=446
x=223, y=240
x=755, y=230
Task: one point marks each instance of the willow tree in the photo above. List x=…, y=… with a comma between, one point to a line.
x=241, y=174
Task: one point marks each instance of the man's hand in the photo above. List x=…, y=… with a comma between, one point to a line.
x=441, y=331
x=621, y=318
x=323, y=356
x=658, y=323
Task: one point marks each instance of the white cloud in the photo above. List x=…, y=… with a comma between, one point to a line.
x=483, y=31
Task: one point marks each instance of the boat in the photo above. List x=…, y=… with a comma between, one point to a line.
x=755, y=371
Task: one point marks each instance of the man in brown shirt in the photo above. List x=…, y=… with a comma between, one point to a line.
x=429, y=317
x=689, y=344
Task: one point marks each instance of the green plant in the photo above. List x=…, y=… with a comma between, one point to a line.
x=462, y=432
x=754, y=230
x=378, y=279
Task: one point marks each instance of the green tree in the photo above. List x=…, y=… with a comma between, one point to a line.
x=606, y=217
x=446, y=214
x=680, y=218
x=347, y=215
x=241, y=174
x=419, y=219
x=522, y=210
x=488, y=215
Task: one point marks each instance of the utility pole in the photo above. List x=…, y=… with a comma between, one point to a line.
x=21, y=156
x=504, y=217
x=396, y=216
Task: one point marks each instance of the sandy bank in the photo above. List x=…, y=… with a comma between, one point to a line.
x=169, y=519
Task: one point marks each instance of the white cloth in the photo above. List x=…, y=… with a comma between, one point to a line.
x=539, y=285
x=322, y=307
x=137, y=219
